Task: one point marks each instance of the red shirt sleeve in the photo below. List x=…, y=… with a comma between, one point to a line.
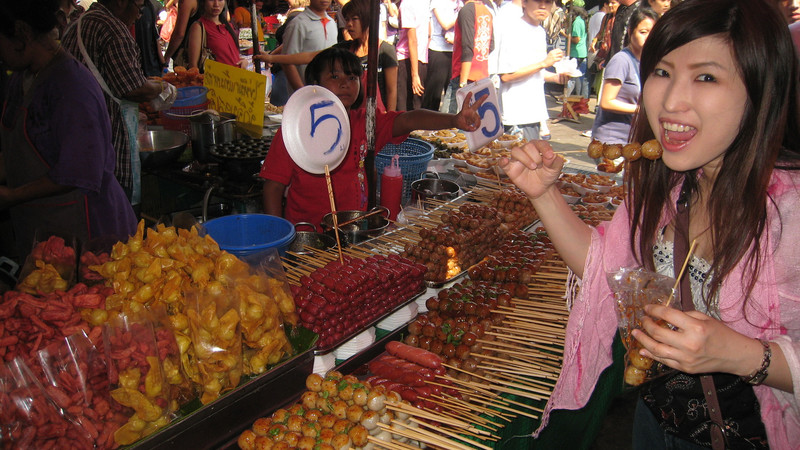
x=278, y=165
x=383, y=130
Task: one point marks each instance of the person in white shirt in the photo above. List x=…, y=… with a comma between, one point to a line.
x=522, y=59
x=440, y=51
x=310, y=31
x=412, y=53
x=596, y=20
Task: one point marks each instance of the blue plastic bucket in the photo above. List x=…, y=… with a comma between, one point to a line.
x=247, y=234
x=191, y=96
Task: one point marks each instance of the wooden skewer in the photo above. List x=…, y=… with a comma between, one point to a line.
x=524, y=394
x=680, y=275
x=530, y=384
x=524, y=343
x=524, y=353
x=505, y=407
x=351, y=221
x=426, y=414
x=423, y=435
x=448, y=433
x=463, y=410
x=540, y=391
x=538, y=364
x=333, y=212
x=518, y=372
x=391, y=445
x=478, y=420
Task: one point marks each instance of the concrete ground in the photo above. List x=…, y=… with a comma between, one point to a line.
x=567, y=140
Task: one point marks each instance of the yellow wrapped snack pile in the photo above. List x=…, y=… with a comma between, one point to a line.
x=158, y=272
x=44, y=279
x=217, y=340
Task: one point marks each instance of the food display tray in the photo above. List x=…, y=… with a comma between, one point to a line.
x=221, y=421
x=330, y=348
x=368, y=354
x=441, y=284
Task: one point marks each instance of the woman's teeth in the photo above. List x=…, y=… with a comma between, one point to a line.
x=676, y=127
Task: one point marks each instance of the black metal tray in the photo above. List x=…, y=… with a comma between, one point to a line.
x=224, y=419
x=330, y=348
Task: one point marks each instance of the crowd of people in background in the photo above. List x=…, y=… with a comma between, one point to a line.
x=428, y=49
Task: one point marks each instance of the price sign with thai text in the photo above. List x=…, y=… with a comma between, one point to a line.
x=236, y=91
x=491, y=121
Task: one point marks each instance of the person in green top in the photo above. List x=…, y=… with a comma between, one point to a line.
x=578, y=48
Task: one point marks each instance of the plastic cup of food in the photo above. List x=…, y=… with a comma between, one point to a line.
x=633, y=290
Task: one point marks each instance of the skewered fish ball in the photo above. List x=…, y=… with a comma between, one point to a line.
x=632, y=151
x=639, y=361
x=634, y=376
x=612, y=151
x=595, y=149
x=652, y=149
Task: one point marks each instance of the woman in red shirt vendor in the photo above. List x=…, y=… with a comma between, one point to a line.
x=339, y=71
x=220, y=37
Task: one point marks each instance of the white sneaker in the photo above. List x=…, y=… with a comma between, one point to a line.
x=587, y=133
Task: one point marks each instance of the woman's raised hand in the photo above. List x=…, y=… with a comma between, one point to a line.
x=534, y=167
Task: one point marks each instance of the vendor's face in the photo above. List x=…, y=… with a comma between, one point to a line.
x=213, y=8
x=353, y=26
x=12, y=53
x=131, y=11
x=695, y=100
x=345, y=86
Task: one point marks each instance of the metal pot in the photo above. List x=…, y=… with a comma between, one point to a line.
x=433, y=188
x=303, y=239
x=360, y=230
x=208, y=129
x=161, y=147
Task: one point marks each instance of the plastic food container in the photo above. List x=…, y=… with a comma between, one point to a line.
x=248, y=234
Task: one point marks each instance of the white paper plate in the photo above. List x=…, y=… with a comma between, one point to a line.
x=317, y=129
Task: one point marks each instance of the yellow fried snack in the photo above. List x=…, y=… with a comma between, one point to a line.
x=45, y=279
x=157, y=268
x=132, y=398
x=217, y=342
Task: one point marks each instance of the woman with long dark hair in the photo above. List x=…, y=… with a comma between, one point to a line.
x=212, y=33
x=719, y=94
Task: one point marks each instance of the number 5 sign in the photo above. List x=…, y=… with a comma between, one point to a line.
x=316, y=129
x=491, y=122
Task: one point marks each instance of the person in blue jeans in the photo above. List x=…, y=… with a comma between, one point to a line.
x=579, y=49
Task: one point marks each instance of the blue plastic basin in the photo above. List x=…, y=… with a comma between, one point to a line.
x=247, y=234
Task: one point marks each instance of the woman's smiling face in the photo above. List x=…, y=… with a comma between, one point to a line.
x=695, y=100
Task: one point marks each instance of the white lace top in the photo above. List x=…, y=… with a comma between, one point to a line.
x=698, y=273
